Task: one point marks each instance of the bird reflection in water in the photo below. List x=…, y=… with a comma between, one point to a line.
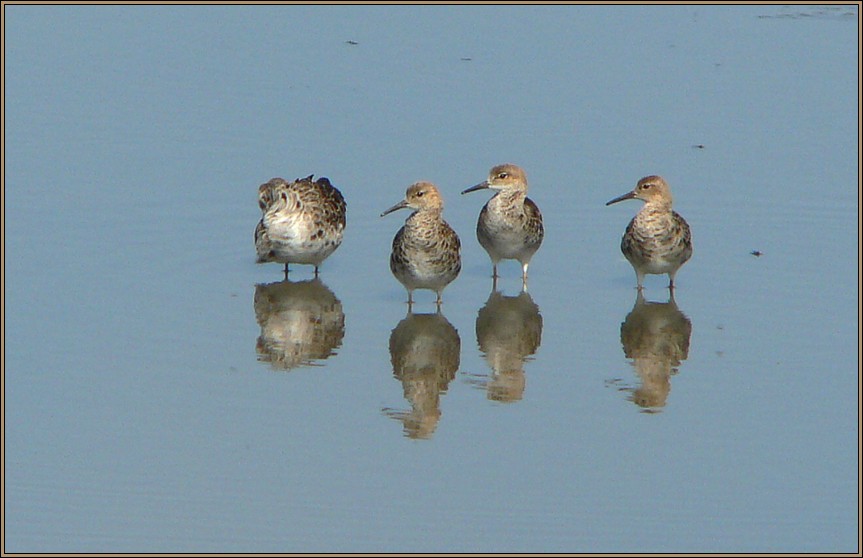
x=655, y=335
x=508, y=332
x=425, y=351
x=301, y=322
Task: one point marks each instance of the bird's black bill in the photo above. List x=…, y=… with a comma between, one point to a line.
x=480, y=186
x=401, y=205
x=627, y=196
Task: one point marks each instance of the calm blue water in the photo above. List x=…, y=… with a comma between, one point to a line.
x=165, y=394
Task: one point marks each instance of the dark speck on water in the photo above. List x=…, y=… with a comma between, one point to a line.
x=757, y=253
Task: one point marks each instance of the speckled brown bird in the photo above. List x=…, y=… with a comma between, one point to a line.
x=510, y=224
x=303, y=221
x=657, y=240
x=426, y=251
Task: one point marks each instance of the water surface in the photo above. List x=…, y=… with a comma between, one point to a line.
x=163, y=393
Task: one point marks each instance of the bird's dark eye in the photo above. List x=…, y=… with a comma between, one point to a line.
x=420, y=194
x=503, y=175
x=646, y=186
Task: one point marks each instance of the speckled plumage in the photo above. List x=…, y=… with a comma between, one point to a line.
x=510, y=224
x=426, y=251
x=657, y=240
x=303, y=221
